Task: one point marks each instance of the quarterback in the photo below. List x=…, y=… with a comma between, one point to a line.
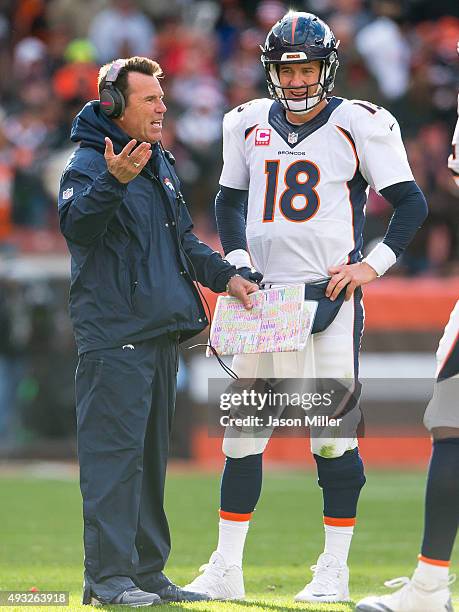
x=291, y=204
x=428, y=589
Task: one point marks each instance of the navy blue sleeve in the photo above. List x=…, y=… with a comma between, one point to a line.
x=86, y=204
x=410, y=211
x=211, y=270
x=230, y=212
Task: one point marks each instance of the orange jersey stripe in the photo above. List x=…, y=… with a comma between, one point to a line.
x=339, y=522
x=438, y=562
x=354, y=150
x=234, y=516
x=250, y=131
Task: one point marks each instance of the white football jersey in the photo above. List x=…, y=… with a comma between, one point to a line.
x=308, y=183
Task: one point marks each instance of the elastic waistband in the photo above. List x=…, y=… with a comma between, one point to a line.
x=312, y=291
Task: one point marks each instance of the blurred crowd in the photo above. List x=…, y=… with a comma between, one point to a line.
x=397, y=53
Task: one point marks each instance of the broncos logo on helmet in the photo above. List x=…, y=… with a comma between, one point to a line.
x=297, y=38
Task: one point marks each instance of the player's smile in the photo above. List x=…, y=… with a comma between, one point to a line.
x=298, y=94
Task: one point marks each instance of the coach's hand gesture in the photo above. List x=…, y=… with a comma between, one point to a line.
x=350, y=276
x=128, y=164
x=240, y=288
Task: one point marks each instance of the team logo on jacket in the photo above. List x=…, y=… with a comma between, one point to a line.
x=68, y=193
x=262, y=137
x=292, y=138
x=169, y=185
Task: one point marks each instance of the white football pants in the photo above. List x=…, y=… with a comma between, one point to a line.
x=332, y=353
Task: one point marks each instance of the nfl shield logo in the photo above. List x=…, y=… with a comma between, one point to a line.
x=292, y=138
x=68, y=193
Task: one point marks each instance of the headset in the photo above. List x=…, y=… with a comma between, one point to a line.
x=112, y=102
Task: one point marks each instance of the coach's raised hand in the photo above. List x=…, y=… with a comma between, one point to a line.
x=129, y=163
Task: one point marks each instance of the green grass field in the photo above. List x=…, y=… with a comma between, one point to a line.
x=40, y=526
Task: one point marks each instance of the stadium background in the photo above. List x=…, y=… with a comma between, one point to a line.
x=400, y=54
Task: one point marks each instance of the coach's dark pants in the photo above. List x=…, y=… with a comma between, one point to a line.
x=125, y=403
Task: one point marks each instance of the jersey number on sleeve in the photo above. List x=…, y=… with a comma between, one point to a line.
x=299, y=201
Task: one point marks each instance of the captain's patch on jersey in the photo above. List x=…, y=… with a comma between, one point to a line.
x=68, y=193
x=262, y=137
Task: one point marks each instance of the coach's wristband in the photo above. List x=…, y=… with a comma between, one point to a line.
x=381, y=258
x=239, y=258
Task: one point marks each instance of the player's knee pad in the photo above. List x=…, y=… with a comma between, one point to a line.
x=344, y=472
x=332, y=448
x=237, y=448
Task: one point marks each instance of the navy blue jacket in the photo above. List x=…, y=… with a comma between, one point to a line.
x=134, y=255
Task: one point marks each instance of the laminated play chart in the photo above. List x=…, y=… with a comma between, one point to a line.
x=280, y=321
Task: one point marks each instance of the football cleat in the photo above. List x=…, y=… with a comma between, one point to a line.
x=218, y=581
x=330, y=582
x=414, y=596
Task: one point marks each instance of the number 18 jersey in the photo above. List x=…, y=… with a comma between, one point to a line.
x=307, y=184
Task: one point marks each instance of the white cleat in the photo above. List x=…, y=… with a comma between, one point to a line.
x=218, y=581
x=414, y=596
x=330, y=582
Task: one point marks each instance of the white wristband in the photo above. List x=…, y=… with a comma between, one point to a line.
x=239, y=258
x=381, y=258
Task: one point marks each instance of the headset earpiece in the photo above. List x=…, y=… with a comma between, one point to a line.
x=112, y=102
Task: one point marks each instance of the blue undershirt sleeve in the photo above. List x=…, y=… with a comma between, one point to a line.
x=230, y=212
x=410, y=211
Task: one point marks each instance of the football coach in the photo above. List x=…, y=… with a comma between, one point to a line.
x=134, y=260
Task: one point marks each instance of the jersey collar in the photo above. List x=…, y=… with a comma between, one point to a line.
x=294, y=134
